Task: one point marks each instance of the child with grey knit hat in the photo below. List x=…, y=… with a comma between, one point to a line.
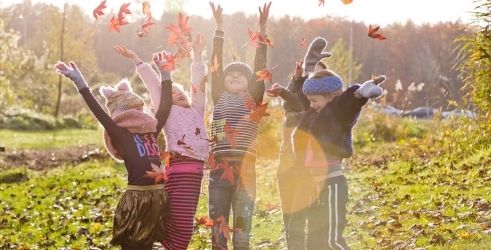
x=235, y=94
x=323, y=139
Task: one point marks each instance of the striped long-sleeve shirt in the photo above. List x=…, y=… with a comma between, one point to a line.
x=235, y=133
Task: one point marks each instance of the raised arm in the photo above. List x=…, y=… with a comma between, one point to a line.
x=256, y=89
x=147, y=75
x=73, y=73
x=217, y=79
x=165, y=99
x=353, y=99
x=198, y=97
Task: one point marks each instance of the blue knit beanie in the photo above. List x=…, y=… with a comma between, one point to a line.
x=324, y=85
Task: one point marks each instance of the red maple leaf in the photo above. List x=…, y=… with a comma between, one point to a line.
x=223, y=227
x=374, y=32
x=114, y=24
x=303, y=43
x=230, y=134
x=253, y=37
x=145, y=26
x=157, y=173
x=123, y=11
x=264, y=39
x=205, y=221
x=250, y=103
x=98, y=11
x=170, y=62
x=263, y=75
x=321, y=2
x=258, y=113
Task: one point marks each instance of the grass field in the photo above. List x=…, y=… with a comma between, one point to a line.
x=405, y=194
x=14, y=139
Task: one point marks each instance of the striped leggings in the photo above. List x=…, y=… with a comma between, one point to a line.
x=183, y=189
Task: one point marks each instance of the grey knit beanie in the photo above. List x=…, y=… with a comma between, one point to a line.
x=239, y=67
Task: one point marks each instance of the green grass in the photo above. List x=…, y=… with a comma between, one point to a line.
x=14, y=139
x=431, y=192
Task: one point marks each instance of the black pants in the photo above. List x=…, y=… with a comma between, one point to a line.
x=327, y=216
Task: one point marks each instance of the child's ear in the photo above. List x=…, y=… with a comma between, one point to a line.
x=107, y=92
x=124, y=85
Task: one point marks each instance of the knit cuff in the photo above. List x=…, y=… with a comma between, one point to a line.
x=219, y=33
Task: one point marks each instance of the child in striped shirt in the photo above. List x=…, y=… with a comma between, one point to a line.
x=235, y=92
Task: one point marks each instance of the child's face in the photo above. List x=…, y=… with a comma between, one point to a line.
x=318, y=102
x=179, y=98
x=235, y=81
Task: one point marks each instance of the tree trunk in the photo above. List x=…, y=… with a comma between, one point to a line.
x=58, y=98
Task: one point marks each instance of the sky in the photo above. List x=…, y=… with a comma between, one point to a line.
x=380, y=12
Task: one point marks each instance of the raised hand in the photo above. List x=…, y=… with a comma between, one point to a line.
x=315, y=53
x=217, y=14
x=275, y=90
x=263, y=17
x=130, y=54
x=164, y=62
x=371, y=88
x=71, y=72
x=198, y=46
x=298, y=69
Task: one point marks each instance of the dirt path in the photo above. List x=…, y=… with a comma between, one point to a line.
x=49, y=158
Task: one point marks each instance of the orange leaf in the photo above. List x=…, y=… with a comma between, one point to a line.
x=146, y=9
x=223, y=227
x=114, y=24
x=303, y=43
x=321, y=2
x=253, y=37
x=374, y=32
x=98, y=11
x=123, y=11
x=347, y=1
x=250, y=103
x=205, y=221
x=263, y=75
x=258, y=113
x=230, y=134
x=265, y=40
x=170, y=64
x=145, y=26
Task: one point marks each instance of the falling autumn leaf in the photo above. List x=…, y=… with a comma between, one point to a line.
x=303, y=43
x=259, y=112
x=146, y=9
x=205, y=221
x=250, y=103
x=253, y=38
x=347, y=1
x=170, y=62
x=123, y=11
x=230, y=134
x=263, y=75
x=145, y=26
x=223, y=227
x=321, y=2
x=374, y=32
x=98, y=11
x=157, y=173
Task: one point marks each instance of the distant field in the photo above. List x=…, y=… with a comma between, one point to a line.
x=14, y=139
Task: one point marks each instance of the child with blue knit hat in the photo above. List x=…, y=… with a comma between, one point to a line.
x=323, y=139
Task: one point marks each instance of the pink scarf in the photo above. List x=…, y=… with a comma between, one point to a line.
x=135, y=121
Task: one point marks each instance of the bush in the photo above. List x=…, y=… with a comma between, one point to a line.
x=24, y=119
x=375, y=126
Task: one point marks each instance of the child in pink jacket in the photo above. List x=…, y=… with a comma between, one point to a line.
x=186, y=141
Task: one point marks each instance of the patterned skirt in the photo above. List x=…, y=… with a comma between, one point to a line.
x=139, y=218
